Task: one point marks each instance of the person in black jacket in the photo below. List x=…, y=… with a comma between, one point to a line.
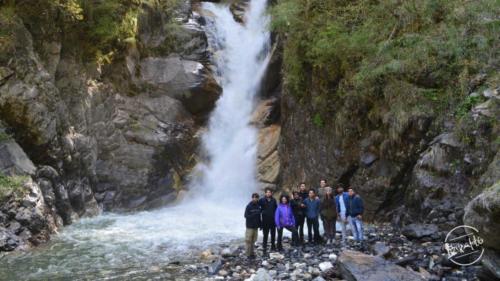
x=298, y=209
x=253, y=223
x=268, y=207
x=303, y=192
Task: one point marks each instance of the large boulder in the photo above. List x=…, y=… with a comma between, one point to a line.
x=356, y=266
x=483, y=213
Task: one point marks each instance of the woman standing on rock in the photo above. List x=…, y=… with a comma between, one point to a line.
x=283, y=218
x=328, y=212
x=298, y=209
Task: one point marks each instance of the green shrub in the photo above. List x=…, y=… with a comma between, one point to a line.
x=338, y=48
x=317, y=120
x=4, y=136
x=12, y=186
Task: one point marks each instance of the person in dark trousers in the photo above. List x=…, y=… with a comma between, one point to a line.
x=303, y=192
x=299, y=209
x=321, y=191
x=312, y=204
x=355, y=210
x=284, y=219
x=328, y=212
x=268, y=207
x=341, y=202
x=253, y=223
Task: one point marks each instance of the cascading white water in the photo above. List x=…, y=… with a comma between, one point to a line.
x=230, y=141
x=136, y=245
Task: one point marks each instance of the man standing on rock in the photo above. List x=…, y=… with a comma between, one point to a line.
x=268, y=207
x=354, y=212
x=253, y=222
x=312, y=215
x=321, y=192
x=340, y=201
x=298, y=209
x=303, y=191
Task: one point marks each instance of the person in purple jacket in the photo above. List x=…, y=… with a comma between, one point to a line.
x=283, y=218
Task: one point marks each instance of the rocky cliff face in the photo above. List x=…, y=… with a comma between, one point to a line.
x=93, y=136
x=412, y=161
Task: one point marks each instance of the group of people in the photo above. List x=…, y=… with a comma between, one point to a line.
x=305, y=207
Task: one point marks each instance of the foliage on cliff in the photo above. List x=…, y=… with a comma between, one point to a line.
x=419, y=56
x=11, y=186
x=99, y=28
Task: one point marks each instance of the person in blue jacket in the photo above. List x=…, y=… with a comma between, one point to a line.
x=312, y=216
x=354, y=214
x=341, y=200
x=284, y=219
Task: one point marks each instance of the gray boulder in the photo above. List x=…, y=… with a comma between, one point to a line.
x=417, y=230
x=356, y=266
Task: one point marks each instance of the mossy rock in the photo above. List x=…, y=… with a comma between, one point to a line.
x=12, y=187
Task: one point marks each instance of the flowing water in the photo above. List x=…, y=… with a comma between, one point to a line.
x=141, y=245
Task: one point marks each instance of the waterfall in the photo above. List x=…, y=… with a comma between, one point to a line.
x=128, y=246
x=230, y=142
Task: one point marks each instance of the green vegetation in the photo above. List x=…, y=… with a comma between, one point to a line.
x=393, y=57
x=100, y=28
x=6, y=35
x=4, y=136
x=12, y=186
x=317, y=120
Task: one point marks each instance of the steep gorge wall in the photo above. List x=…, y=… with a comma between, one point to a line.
x=118, y=134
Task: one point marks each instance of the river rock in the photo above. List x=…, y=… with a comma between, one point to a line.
x=417, y=231
x=276, y=256
x=324, y=266
x=260, y=275
x=356, y=266
x=381, y=249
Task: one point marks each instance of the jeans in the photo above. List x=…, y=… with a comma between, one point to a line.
x=356, y=227
x=313, y=225
x=265, y=230
x=295, y=238
x=250, y=238
x=343, y=223
x=299, y=221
